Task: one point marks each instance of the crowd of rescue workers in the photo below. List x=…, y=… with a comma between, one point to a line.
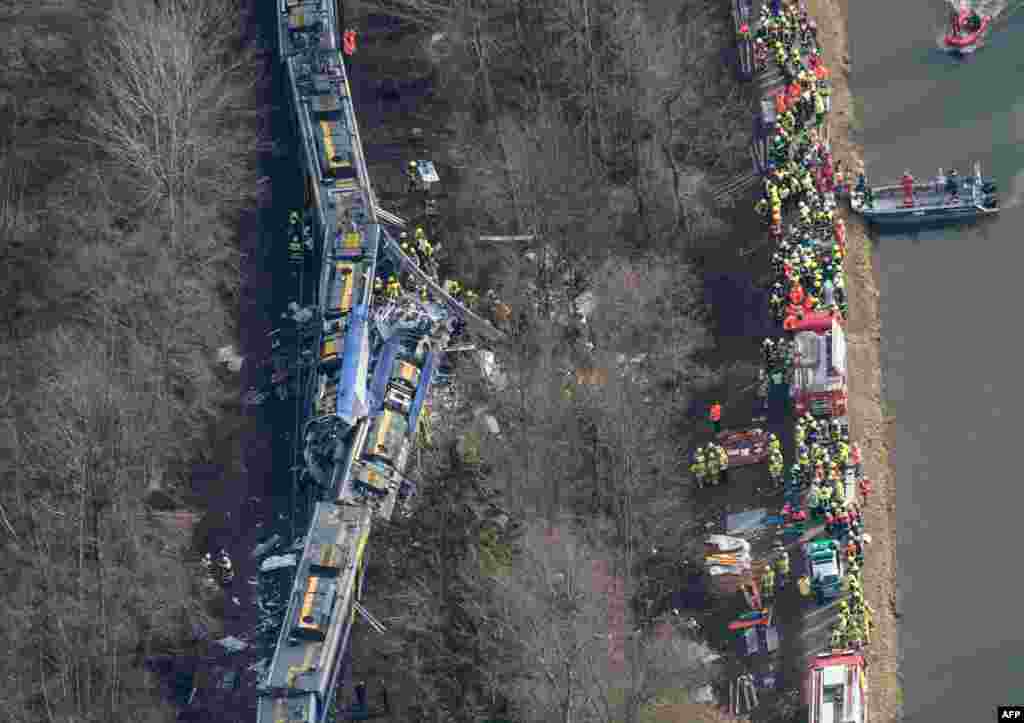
x=822, y=486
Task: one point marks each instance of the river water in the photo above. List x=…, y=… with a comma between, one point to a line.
x=950, y=321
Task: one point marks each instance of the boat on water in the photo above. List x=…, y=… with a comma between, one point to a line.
x=966, y=32
x=911, y=204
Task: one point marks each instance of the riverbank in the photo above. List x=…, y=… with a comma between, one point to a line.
x=869, y=422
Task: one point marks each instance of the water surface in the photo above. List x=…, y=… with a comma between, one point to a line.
x=951, y=329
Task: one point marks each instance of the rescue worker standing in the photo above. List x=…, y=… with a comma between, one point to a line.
x=907, y=181
x=723, y=460
x=412, y=175
x=714, y=466
x=953, y=184
x=207, y=563
x=804, y=585
x=768, y=582
x=782, y=567
x=699, y=468
x=227, y=574
x=715, y=417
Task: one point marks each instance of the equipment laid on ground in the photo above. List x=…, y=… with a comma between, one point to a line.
x=761, y=619
x=759, y=639
x=743, y=448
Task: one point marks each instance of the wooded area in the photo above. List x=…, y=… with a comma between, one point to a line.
x=520, y=587
x=129, y=130
x=527, y=587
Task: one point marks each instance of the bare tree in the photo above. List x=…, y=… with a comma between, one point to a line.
x=173, y=94
x=582, y=660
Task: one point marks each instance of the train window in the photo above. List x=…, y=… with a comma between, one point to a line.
x=352, y=241
x=317, y=604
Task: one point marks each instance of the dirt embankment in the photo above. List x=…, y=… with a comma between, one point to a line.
x=869, y=423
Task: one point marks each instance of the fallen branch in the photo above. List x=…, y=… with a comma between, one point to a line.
x=7, y=524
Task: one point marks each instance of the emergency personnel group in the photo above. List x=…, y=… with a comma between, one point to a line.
x=801, y=175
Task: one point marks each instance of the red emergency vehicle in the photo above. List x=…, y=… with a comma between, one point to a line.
x=819, y=383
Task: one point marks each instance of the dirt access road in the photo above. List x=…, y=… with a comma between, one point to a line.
x=869, y=423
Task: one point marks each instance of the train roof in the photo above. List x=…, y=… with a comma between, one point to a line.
x=301, y=666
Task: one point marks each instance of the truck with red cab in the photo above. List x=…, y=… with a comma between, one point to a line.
x=819, y=379
x=836, y=688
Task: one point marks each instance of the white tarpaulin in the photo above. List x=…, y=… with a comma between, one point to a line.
x=428, y=174
x=277, y=562
x=725, y=543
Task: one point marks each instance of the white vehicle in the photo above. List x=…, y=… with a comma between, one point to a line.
x=836, y=688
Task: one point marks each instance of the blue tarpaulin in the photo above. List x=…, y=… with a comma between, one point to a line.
x=745, y=521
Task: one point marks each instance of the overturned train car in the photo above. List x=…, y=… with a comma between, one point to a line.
x=372, y=383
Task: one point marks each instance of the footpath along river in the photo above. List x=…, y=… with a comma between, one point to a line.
x=950, y=343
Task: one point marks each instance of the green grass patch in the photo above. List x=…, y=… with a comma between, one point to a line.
x=869, y=249
x=856, y=113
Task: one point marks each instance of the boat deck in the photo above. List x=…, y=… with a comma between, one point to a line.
x=926, y=196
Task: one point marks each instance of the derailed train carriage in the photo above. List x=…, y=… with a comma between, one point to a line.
x=360, y=432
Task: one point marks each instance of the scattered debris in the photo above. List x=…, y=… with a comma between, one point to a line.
x=230, y=358
x=265, y=547
x=233, y=644
x=745, y=521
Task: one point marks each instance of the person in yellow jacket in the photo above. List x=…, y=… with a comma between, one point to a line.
x=394, y=288
x=412, y=176
x=714, y=467
x=452, y=288
x=768, y=582
x=699, y=471
x=723, y=458
x=782, y=564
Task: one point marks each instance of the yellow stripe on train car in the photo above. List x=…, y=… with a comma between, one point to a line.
x=408, y=372
x=348, y=274
x=380, y=439
x=312, y=584
x=353, y=240
x=332, y=164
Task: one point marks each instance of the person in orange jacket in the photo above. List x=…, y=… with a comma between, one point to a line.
x=715, y=417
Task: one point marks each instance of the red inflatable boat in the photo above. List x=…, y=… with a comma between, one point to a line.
x=963, y=40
